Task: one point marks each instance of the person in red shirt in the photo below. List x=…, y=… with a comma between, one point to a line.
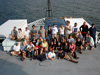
x=37, y=47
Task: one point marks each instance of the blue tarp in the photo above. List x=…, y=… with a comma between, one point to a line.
x=57, y=22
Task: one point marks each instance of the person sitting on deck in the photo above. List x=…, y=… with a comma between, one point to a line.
x=63, y=55
x=23, y=50
x=75, y=31
x=63, y=41
x=51, y=55
x=68, y=29
x=80, y=36
x=44, y=46
x=59, y=47
x=72, y=50
x=55, y=42
x=13, y=35
x=20, y=35
x=40, y=40
x=37, y=47
x=66, y=47
x=16, y=50
x=89, y=42
x=70, y=39
x=51, y=46
x=27, y=35
x=79, y=45
x=34, y=40
x=42, y=32
x=54, y=31
x=30, y=49
x=33, y=32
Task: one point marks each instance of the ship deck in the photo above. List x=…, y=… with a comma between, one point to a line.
x=89, y=64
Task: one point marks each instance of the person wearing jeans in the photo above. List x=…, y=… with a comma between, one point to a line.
x=30, y=48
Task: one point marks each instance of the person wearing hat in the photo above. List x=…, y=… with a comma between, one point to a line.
x=37, y=47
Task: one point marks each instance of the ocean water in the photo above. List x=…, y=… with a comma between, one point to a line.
x=36, y=9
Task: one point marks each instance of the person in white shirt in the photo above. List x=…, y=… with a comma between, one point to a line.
x=27, y=35
x=68, y=29
x=51, y=55
x=16, y=50
x=89, y=42
x=54, y=31
x=75, y=31
x=30, y=48
x=61, y=31
x=20, y=35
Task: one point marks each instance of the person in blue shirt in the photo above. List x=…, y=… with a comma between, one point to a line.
x=92, y=31
x=23, y=47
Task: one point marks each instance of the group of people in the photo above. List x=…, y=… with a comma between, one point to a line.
x=62, y=42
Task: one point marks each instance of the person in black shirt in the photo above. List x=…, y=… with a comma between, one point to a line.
x=51, y=46
x=63, y=55
x=66, y=48
x=63, y=41
x=79, y=45
x=34, y=41
x=55, y=42
x=84, y=30
x=59, y=47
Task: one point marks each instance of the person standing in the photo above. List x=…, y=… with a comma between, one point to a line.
x=49, y=33
x=33, y=32
x=27, y=34
x=92, y=31
x=61, y=31
x=75, y=31
x=42, y=32
x=84, y=30
x=54, y=31
x=68, y=29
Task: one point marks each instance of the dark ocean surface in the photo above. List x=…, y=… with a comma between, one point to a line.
x=36, y=9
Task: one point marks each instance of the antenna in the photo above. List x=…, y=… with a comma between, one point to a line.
x=48, y=11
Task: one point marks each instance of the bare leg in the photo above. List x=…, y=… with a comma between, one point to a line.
x=41, y=51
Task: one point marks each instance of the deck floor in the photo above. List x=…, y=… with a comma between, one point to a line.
x=89, y=64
